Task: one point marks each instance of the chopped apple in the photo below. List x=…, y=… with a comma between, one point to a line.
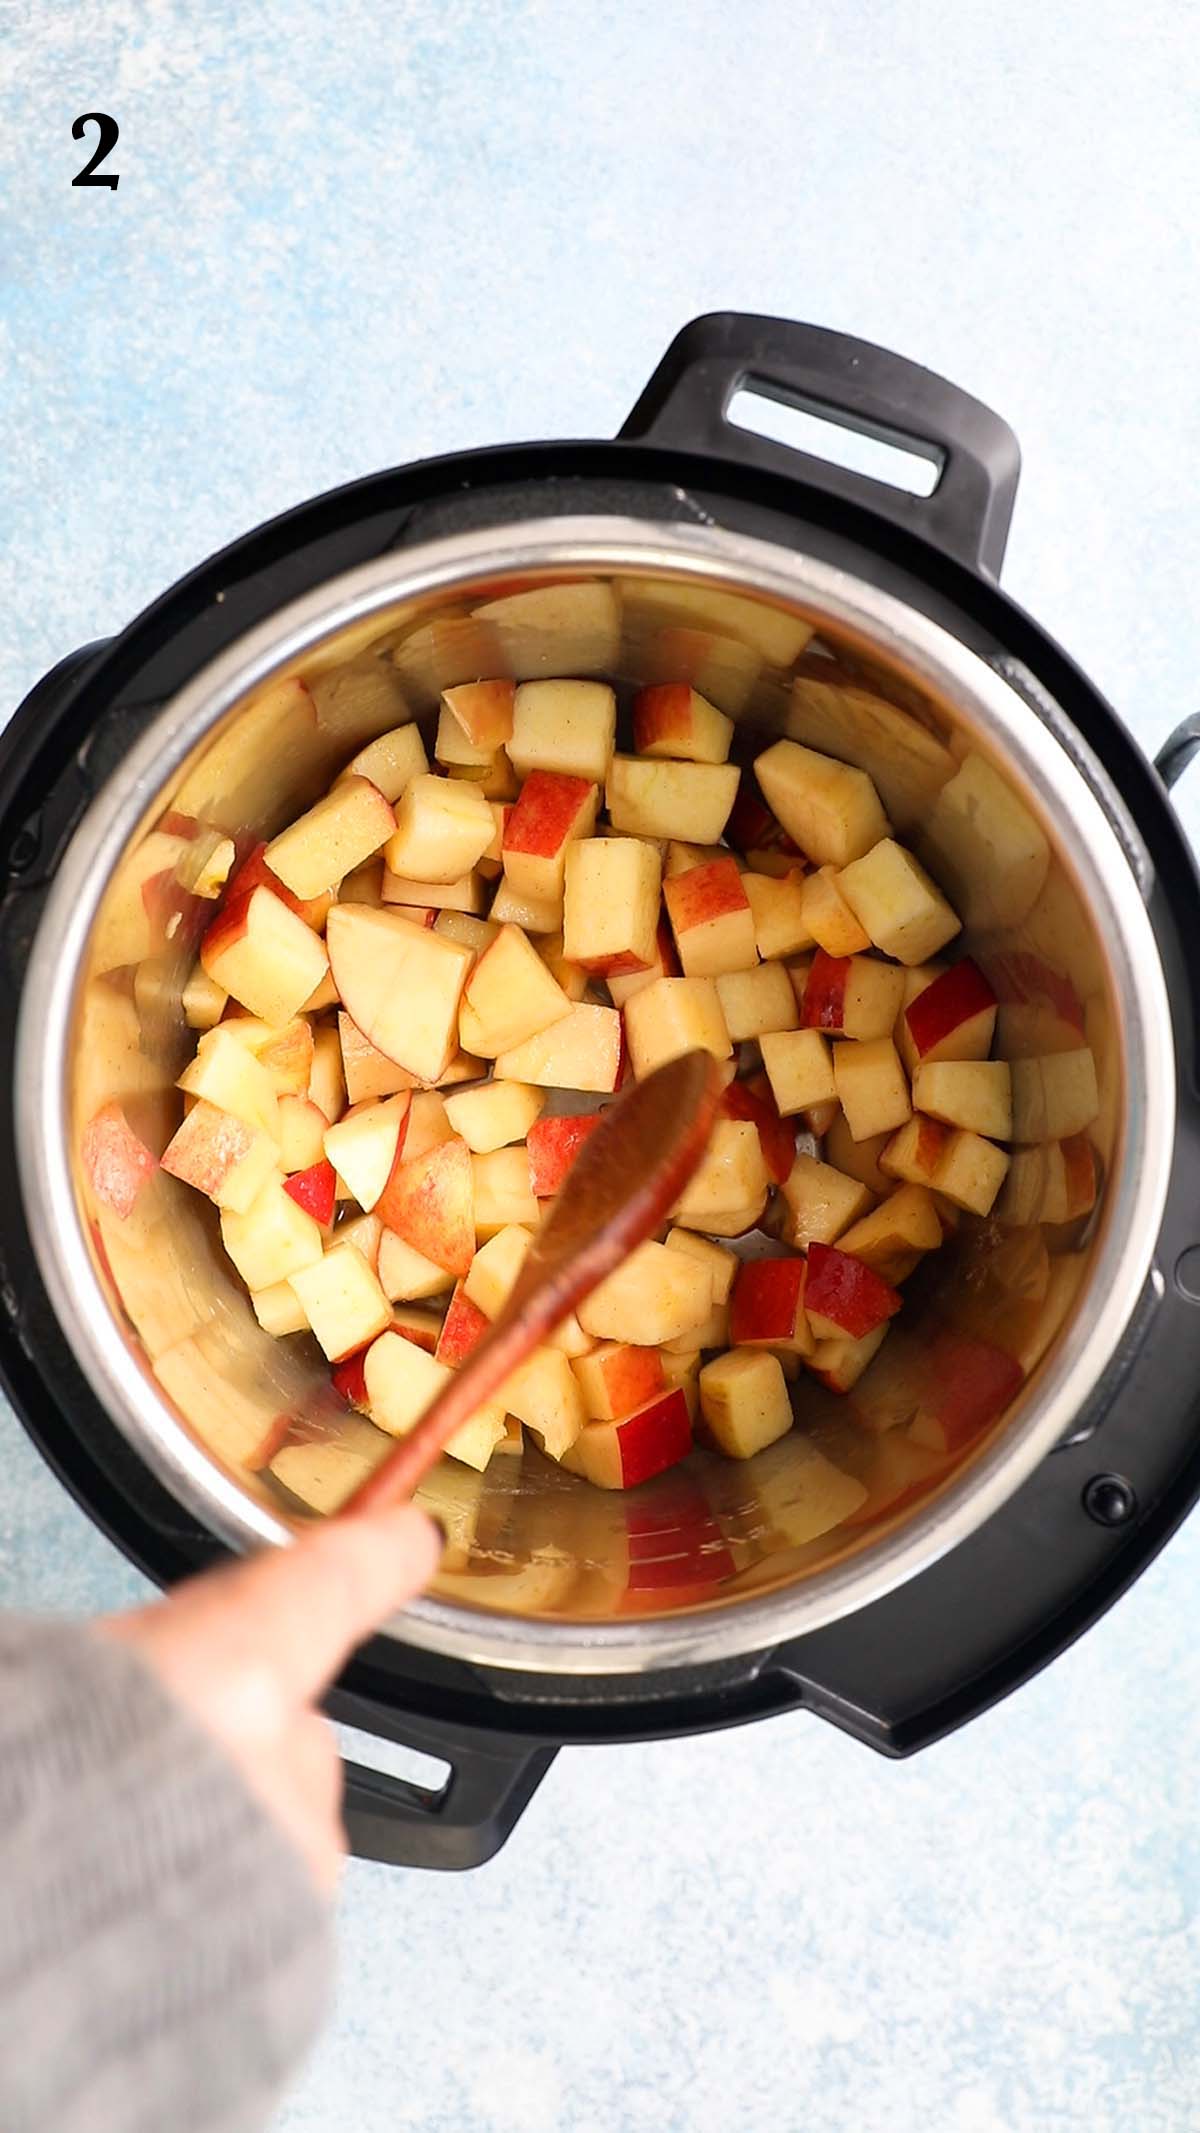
x=402, y=1381
x=711, y=919
x=470, y=932
x=971, y=1172
x=663, y=964
x=985, y=847
x=406, y=1275
x=902, y=910
x=230, y=1076
x=455, y=749
x=722, y=1264
x=656, y=1295
x=871, y=1087
x=969, y=1383
x=323, y=995
x=279, y=1310
x=461, y=1330
x=509, y=996
x=893, y=1237
x=430, y=1203
x=745, y=1402
x=976, y=1093
x=830, y=809
x=533, y=914
x=254, y=873
x=839, y=1363
x=421, y=901
x=620, y=1455
x=766, y=1309
x=553, y=1144
x=859, y=1159
x=442, y=829
x=914, y=1155
x=365, y=1233
x=544, y=1396
x=366, y=1145
x=391, y=761
x=616, y=1378
x=221, y=1156
x=845, y=1296
x=756, y=1003
x=345, y=828
x=952, y=1017
x=364, y=885
x=754, y=1100
x=326, y=1080
x=828, y=917
x=673, y=719
x=428, y=1123
x=498, y=783
x=667, y=799
x=463, y=1067
x=673, y=1016
x=484, y=710
x=401, y=985
x=495, y=1267
x=286, y=1054
x=821, y=1202
x=203, y=1000
x=571, y=976
x=368, y=1072
x=502, y=1191
x=727, y=1192
x=116, y=1163
x=565, y=726
x=777, y=904
x=315, y=1190
x=681, y=1370
x=1054, y=1097
x=610, y=908
x=583, y=1051
x=494, y=1114
x=553, y=812
x=799, y=1065
x=343, y=1301
x=852, y=996
x=272, y=1239
x=264, y=955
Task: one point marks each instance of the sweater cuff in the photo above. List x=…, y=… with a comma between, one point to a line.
x=164, y=1956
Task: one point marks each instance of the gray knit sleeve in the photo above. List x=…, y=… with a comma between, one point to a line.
x=164, y=1957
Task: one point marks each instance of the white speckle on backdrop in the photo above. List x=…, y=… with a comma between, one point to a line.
x=348, y=236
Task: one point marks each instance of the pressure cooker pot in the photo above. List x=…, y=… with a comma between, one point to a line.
x=892, y=1575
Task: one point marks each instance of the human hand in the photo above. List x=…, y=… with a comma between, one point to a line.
x=248, y=1649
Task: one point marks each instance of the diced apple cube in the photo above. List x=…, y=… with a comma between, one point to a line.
x=264, y=955
x=533, y=914
x=662, y=799
x=314, y=1188
x=494, y=1114
x=368, y=1072
x=552, y=813
x=985, y=847
x=664, y=964
x=545, y=1397
x=828, y=917
x=845, y=1296
x=391, y=761
x=970, y=1172
x=673, y=719
x=859, y=1159
x=502, y=1191
x=753, y=1100
x=406, y=1275
x=839, y=1363
x=914, y=1154
x=454, y=747
x=902, y=910
x=727, y=1192
x=286, y=1053
x=656, y=1295
x=495, y=1268
x=745, y=1402
x=621, y=1455
x=711, y=919
x=616, y=1378
x=894, y=1236
x=852, y=996
x=976, y=1093
x=610, y=909
x=230, y=1076
x=430, y=1203
x=780, y=926
x=365, y=1233
x=799, y=1064
x=420, y=901
x=552, y=1145
x=365, y=1146
x=757, y=1002
x=509, y=997
x=484, y=711
x=565, y=726
x=767, y=1310
x=470, y=932
x=830, y=809
x=323, y=995
x=951, y=1017
x=364, y=885
x=461, y=1330
x=343, y=1301
x=821, y=1202
x=722, y=1264
x=401, y=985
x=402, y=1381
x=673, y=1016
x=1054, y=1097
x=273, y=1239
x=279, y=1310
x=871, y=1087
x=583, y=1051
x=343, y=830
x=442, y=829
x=221, y=1156
x=326, y=1079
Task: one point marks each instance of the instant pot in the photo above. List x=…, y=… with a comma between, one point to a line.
x=891, y=1593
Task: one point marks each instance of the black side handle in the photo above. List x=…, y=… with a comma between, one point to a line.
x=858, y=386
x=493, y=1777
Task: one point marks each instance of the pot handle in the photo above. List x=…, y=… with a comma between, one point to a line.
x=1178, y=749
x=493, y=1777
x=856, y=386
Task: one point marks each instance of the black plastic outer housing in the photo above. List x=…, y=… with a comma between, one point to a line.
x=909, y=1668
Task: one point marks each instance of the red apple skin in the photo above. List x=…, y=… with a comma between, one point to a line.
x=751, y=826
x=851, y=1296
x=766, y=1300
x=315, y=1190
x=462, y=1329
x=254, y=873
x=632, y=1377
x=970, y=1383
x=662, y=713
x=824, y=1002
x=1080, y=1162
x=546, y=812
x=429, y=1201
x=777, y=1137
x=621, y=965
x=703, y=893
x=484, y=710
x=116, y=1162
x=349, y=1379
x=553, y=1145
x=957, y=996
x=654, y=1437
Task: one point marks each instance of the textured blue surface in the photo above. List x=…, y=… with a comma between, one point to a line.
x=347, y=236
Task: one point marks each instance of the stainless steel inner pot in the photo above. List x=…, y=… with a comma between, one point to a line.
x=543, y=1573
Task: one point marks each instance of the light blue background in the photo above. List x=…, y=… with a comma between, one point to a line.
x=348, y=235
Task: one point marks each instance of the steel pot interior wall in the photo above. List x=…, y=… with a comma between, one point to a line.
x=1002, y=1330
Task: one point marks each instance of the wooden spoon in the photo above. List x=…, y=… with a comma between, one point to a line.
x=621, y=1186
